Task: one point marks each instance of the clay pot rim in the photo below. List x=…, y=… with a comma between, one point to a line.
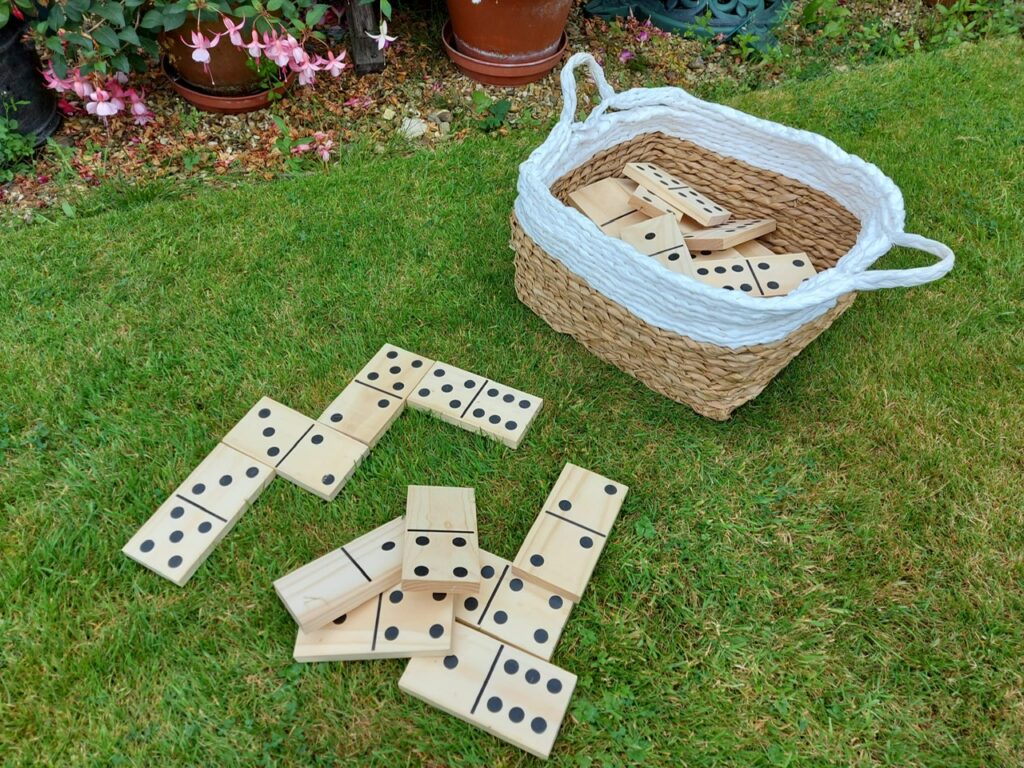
x=211, y=102
x=494, y=73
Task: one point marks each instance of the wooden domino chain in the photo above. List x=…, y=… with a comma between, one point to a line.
x=441, y=551
x=393, y=625
x=677, y=193
x=369, y=405
x=566, y=540
x=514, y=610
x=728, y=235
x=186, y=528
x=343, y=579
x=607, y=204
x=476, y=403
x=301, y=450
x=662, y=239
x=496, y=687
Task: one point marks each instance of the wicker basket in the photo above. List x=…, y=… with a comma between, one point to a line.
x=713, y=379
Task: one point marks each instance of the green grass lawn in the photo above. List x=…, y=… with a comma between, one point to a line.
x=833, y=577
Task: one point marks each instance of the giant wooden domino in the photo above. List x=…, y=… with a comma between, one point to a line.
x=607, y=203
x=310, y=455
x=476, y=403
x=345, y=578
x=497, y=687
x=441, y=552
x=677, y=193
x=566, y=540
x=184, y=530
x=394, y=624
x=514, y=610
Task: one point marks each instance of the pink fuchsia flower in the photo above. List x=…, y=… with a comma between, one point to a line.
x=333, y=64
x=103, y=104
x=279, y=49
x=306, y=71
x=80, y=85
x=201, y=46
x=140, y=112
x=54, y=83
x=383, y=38
x=254, y=48
x=233, y=31
x=324, y=145
x=625, y=55
x=301, y=149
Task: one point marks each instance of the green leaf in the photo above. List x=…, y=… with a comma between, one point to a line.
x=274, y=5
x=120, y=63
x=315, y=14
x=385, y=9
x=56, y=19
x=173, y=19
x=54, y=44
x=68, y=208
x=245, y=11
x=150, y=46
x=130, y=36
x=107, y=37
x=111, y=12
x=5, y=14
x=80, y=41
x=153, y=19
x=481, y=100
x=60, y=67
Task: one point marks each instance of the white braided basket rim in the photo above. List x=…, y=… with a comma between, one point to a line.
x=678, y=303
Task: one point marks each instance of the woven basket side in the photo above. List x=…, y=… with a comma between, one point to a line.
x=712, y=380
x=808, y=220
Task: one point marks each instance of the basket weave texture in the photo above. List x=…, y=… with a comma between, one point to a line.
x=711, y=379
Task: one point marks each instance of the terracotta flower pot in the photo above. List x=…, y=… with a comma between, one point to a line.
x=508, y=33
x=227, y=105
x=35, y=106
x=228, y=72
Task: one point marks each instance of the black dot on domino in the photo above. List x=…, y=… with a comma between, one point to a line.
x=763, y=265
x=391, y=355
x=317, y=439
x=470, y=384
x=176, y=536
x=737, y=268
x=417, y=363
x=495, y=419
x=387, y=546
x=382, y=403
x=537, y=560
x=395, y=369
x=610, y=489
x=538, y=725
x=471, y=603
x=511, y=667
x=252, y=472
x=421, y=570
x=673, y=257
x=746, y=287
x=554, y=685
x=516, y=715
x=772, y=284
x=396, y=596
x=451, y=662
x=515, y=585
x=478, y=412
x=225, y=480
x=436, y=631
x=494, y=704
x=398, y=386
x=439, y=372
x=439, y=596
x=492, y=392
x=373, y=375
x=702, y=271
x=269, y=432
x=796, y=263
x=524, y=404
x=447, y=388
x=532, y=676
x=423, y=392
x=455, y=403
x=147, y=545
x=423, y=540
x=205, y=526
x=391, y=633
x=264, y=413
x=649, y=236
x=177, y=512
x=458, y=541
x=175, y=561
x=273, y=450
x=565, y=505
x=341, y=619
x=198, y=488
x=720, y=270
x=541, y=636
x=487, y=571
x=460, y=572
x=328, y=479
x=555, y=601
x=500, y=617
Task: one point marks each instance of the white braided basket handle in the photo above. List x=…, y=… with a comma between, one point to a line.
x=569, y=86
x=873, y=279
